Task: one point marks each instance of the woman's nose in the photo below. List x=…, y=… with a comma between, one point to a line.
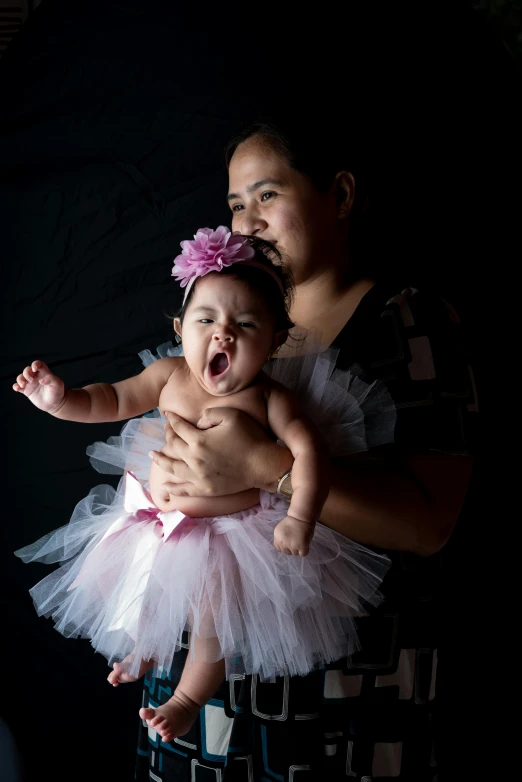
x=249, y=222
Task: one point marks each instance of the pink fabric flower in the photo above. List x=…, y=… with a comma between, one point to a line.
x=209, y=251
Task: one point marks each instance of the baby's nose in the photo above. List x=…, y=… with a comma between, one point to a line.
x=223, y=335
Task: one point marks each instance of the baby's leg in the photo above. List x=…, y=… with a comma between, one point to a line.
x=119, y=674
x=197, y=685
x=120, y=671
x=199, y=680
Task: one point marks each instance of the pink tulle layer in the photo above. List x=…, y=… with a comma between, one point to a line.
x=133, y=581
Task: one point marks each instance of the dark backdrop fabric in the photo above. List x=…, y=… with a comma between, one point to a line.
x=114, y=120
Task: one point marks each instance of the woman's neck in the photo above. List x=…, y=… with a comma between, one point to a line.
x=323, y=306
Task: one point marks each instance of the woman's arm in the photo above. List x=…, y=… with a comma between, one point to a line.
x=98, y=402
x=412, y=509
x=409, y=509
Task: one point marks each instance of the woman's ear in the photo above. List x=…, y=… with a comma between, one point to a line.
x=177, y=327
x=280, y=338
x=344, y=184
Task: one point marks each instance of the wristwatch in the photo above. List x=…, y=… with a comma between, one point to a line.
x=284, y=485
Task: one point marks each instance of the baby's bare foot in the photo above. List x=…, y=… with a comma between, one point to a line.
x=120, y=675
x=174, y=718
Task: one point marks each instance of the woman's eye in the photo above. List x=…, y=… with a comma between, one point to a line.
x=266, y=196
x=237, y=207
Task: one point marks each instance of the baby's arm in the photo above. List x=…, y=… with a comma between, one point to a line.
x=98, y=402
x=310, y=481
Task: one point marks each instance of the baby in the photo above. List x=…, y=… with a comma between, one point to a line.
x=215, y=565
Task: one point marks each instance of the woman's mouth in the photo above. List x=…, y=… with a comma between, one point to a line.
x=218, y=365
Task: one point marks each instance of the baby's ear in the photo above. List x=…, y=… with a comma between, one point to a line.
x=177, y=326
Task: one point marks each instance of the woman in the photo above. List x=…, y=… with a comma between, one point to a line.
x=370, y=715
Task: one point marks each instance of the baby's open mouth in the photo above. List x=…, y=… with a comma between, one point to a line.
x=219, y=364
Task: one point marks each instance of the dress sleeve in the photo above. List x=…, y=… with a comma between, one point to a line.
x=420, y=354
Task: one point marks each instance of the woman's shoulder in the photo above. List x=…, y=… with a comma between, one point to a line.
x=413, y=340
x=414, y=306
x=393, y=325
x=408, y=305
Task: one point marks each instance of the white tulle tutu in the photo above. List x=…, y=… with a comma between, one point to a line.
x=134, y=579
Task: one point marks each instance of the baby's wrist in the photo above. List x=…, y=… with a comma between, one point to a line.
x=302, y=519
x=56, y=409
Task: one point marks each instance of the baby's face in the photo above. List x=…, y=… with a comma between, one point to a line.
x=228, y=334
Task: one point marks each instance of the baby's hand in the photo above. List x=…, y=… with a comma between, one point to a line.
x=45, y=390
x=293, y=536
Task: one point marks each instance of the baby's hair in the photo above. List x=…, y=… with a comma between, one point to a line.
x=278, y=301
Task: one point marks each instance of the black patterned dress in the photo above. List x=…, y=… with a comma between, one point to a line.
x=369, y=717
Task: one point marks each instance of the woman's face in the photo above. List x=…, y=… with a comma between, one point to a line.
x=272, y=201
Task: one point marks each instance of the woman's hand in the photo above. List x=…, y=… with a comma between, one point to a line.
x=227, y=452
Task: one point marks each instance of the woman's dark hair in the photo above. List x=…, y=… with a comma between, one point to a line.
x=320, y=150
x=278, y=300
x=317, y=150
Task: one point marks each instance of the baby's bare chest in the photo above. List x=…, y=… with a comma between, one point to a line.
x=190, y=403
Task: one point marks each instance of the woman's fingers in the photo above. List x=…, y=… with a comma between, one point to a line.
x=182, y=489
x=214, y=416
x=175, y=467
x=176, y=448
x=170, y=434
x=184, y=430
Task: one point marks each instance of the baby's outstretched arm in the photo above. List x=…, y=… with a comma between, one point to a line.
x=310, y=479
x=98, y=402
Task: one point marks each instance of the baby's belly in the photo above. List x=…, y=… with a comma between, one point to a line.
x=198, y=506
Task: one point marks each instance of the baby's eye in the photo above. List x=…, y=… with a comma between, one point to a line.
x=205, y=320
x=246, y=325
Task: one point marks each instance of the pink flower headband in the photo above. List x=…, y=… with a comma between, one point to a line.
x=211, y=251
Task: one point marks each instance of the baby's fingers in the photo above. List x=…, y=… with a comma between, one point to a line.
x=40, y=368
x=282, y=546
x=29, y=374
x=37, y=372
x=20, y=384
